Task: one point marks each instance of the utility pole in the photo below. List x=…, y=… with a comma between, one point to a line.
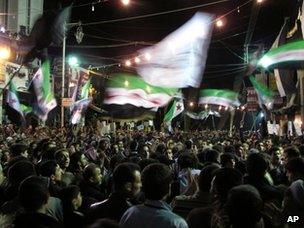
x=63, y=75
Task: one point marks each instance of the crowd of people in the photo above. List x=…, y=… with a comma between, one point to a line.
x=78, y=177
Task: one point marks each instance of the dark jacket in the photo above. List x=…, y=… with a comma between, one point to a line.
x=92, y=190
x=36, y=220
x=113, y=208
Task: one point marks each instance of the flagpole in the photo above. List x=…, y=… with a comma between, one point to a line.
x=63, y=75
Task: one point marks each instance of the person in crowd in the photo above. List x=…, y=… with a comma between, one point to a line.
x=71, y=201
x=224, y=180
x=77, y=164
x=187, y=163
x=19, y=149
x=17, y=172
x=155, y=212
x=293, y=203
x=62, y=158
x=90, y=186
x=244, y=208
x=51, y=170
x=182, y=204
x=127, y=185
x=289, y=153
x=257, y=167
x=276, y=168
x=33, y=196
x=227, y=160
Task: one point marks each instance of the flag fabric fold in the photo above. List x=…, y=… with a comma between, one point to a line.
x=78, y=109
x=12, y=99
x=45, y=100
x=202, y=115
x=129, y=89
x=219, y=97
x=286, y=53
x=176, y=109
x=179, y=59
x=81, y=99
x=265, y=95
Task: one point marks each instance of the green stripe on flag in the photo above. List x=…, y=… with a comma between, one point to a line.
x=261, y=88
x=46, y=75
x=227, y=94
x=294, y=46
x=169, y=114
x=130, y=82
x=85, y=90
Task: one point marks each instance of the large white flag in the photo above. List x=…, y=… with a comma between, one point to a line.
x=178, y=61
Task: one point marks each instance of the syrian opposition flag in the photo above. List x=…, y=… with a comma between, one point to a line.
x=12, y=99
x=179, y=59
x=265, y=95
x=290, y=52
x=78, y=110
x=203, y=114
x=176, y=109
x=128, y=89
x=80, y=106
x=45, y=100
x=219, y=97
x=284, y=77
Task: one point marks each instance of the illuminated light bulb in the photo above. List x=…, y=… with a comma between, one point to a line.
x=220, y=108
x=226, y=108
x=137, y=60
x=148, y=56
x=125, y=2
x=93, y=8
x=4, y=53
x=128, y=63
x=206, y=106
x=191, y=104
x=219, y=23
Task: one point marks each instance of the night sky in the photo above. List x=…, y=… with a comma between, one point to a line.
x=227, y=45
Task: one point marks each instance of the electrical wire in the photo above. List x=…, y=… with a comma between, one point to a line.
x=153, y=14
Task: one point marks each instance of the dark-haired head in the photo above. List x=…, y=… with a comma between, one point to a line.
x=127, y=179
x=33, y=194
x=156, y=180
x=225, y=179
x=295, y=169
x=244, y=206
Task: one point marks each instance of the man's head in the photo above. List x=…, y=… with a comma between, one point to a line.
x=289, y=153
x=156, y=179
x=19, y=149
x=225, y=179
x=244, y=206
x=227, y=160
x=127, y=179
x=211, y=155
x=63, y=158
x=295, y=169
x=78, y=161
x=33, y=194
x=256, y=165
x=92, y=174
x=187, y=160
x=52, y=170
